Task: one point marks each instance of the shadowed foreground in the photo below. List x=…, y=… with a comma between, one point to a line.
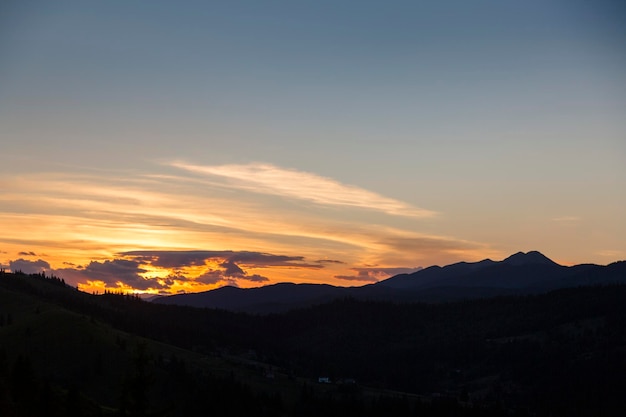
x=65, y=353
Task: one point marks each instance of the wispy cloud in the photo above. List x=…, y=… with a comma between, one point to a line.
x=270, y=179
x=329, y=261
x=567, y=219
x=156, y=220
x=427, y=244
x=612, y=254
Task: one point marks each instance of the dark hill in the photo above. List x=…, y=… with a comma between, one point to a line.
x=64, y=352
x=521, y=273
x=271, y=298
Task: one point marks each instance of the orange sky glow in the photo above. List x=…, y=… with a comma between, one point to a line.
x=90, y=226
x=177, y=148
x=195, y=230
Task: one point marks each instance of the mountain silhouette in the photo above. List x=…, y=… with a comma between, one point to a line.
x=267, y=299
x=521, y=270
x=529, y=258
x=521, y=273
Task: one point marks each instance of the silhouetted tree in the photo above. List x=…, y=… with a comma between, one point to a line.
x=23, y=388
x=4, y=364
x=134, y=398
x=72, y=402
x=45, y=402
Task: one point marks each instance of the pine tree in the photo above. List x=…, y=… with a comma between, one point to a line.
x=134, y=398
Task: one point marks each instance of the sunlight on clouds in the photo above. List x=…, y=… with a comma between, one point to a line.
x=106, y=233
x=270, y=179
x=97, y=287
x=79, y=219
x=153, y=272
x=129, y=222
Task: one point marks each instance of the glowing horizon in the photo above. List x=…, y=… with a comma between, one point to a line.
x=350, y=142
x=96, y=223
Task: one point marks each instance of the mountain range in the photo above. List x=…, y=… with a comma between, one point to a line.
x=519, y=274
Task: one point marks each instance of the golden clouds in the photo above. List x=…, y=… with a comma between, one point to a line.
x=241, y=216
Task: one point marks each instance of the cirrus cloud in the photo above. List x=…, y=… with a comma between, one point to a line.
x=270, y=179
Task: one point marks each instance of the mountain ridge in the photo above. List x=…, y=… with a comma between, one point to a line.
x=521, y=273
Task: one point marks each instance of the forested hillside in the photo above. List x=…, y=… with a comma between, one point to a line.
x=64, y=352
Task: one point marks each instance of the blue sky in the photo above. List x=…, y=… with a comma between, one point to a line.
x=461, y=130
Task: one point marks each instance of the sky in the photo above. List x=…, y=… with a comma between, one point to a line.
x=165, y=147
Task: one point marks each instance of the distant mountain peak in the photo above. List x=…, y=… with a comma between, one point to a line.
x=529, y=258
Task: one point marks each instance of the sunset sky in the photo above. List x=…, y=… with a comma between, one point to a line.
x=179, y=146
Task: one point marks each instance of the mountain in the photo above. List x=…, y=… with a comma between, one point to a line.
x=525, y=273
x=521, y=270
x=270, y=298
x=520, y=273
x=529, y=258
x=433, y=275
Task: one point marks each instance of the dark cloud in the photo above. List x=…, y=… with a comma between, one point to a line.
x=256, y=278
x=373, y=274
x=112, y=272
x=231, y=269
x=129, y=269
x=359, y=277
x=329, y=261
x=211, y=277
x=173, y=259
x=231, y=282
x=172, y=279
x=263, y=260
x=229, y=275
x=233, y=264
x=180, y=259
x=29, y=267
x=168, y=259
x=27, y=254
